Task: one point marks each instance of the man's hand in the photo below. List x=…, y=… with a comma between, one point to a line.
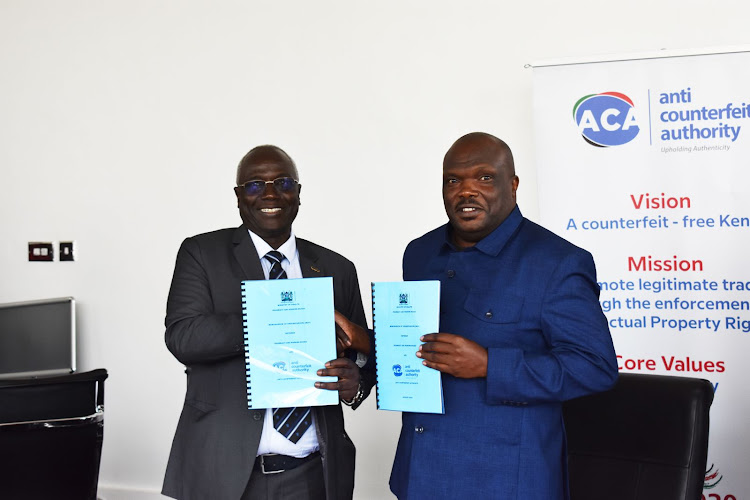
x=350, y=335
x=454, y=355
x=348, y=374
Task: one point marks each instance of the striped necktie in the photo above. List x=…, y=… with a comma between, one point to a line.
x=277, y=272
x=290, y=422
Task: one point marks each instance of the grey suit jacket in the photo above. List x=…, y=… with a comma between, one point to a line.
x=217, y=436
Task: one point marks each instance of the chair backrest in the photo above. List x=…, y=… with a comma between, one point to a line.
x=646, y=439
x=51, y=434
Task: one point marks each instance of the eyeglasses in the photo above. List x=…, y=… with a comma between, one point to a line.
x=281, y=184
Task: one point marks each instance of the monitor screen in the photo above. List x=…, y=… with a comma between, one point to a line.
x=37, y=338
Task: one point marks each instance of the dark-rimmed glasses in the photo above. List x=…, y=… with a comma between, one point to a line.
x=257, y=186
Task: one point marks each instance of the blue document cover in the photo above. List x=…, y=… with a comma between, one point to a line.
x=289, y=336
x=401, y=313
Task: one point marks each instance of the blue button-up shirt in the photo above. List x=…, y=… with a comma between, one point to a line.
x=531, y=299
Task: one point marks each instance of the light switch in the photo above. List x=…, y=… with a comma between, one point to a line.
x=66, y=251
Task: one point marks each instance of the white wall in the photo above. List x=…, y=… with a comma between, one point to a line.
x=121, y=124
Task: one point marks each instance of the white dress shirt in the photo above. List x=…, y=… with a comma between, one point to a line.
x=271, y=441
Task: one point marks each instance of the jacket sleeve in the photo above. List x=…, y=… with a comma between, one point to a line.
x=195, y=331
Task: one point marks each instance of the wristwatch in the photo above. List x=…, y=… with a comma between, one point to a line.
x=357, y=399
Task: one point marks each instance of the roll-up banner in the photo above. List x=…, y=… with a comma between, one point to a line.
x=645, y=162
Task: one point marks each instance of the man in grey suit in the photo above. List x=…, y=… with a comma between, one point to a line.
x=221, y=449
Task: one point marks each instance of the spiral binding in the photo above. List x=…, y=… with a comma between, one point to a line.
x=375, y=329
x=246, y=337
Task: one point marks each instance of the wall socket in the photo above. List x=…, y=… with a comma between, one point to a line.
x=44, y=251
x=41, y=251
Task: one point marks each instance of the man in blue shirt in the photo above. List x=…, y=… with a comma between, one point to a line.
x=526, y=333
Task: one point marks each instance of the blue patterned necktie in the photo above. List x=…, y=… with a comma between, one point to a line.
x=277, y=272
x=290, y=422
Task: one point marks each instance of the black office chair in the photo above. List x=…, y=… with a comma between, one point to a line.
x=51, y=432
x=646, y=439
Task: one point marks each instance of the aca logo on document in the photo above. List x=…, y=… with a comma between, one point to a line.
x=397, y=372
x=606, y=119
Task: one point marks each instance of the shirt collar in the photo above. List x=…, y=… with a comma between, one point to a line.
x=289, y=248
x=496, y=240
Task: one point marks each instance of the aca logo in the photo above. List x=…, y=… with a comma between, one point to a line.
x=279, y=365
x=397, y=370
x=606, y=119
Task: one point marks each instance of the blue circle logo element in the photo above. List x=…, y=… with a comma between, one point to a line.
x=397, y=370
x=606, y=119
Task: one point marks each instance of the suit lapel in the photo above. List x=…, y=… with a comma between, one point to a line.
x=247, y=255
x=309, y=260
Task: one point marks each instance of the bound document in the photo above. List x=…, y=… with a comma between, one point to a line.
x=401, y=313
x=289, y=335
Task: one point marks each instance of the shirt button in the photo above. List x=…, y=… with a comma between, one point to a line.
x=256, y=415
x=451, y=273
x=419, y=429
x=488, y=314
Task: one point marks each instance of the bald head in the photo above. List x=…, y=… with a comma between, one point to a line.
x=267, y=199
x=479, y=186
x=266, y=154
x=480, y=147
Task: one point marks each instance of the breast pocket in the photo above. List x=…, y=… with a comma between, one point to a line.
x=492, y=307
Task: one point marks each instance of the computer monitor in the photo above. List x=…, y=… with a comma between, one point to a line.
x=37, y=338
